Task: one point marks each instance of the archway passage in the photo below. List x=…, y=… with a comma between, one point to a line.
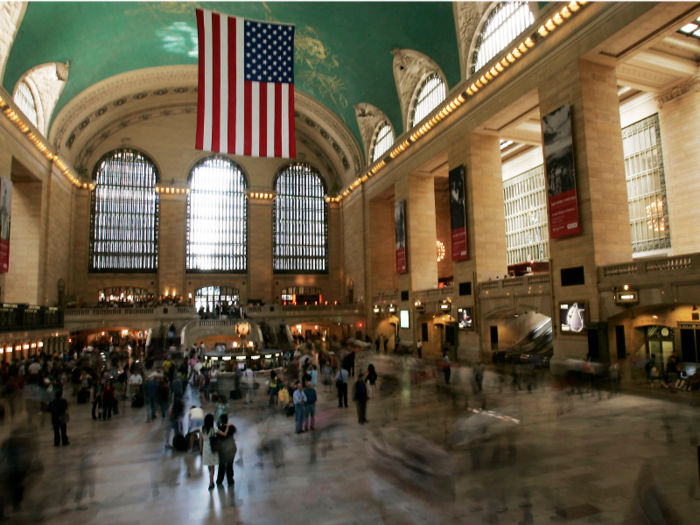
x=301, y=295
x=209, y=297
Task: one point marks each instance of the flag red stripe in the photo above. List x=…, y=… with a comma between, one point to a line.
x=248, y=113
x=278, y=120
x=216, y=106
x=292, y=137
x=199, y=142
x=231, y=85
x=263, y=119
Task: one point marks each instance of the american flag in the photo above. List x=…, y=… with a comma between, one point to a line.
x=246, y=86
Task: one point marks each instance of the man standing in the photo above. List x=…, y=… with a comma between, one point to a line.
x=386, y=343
x=341, y=383
x=59, y=419
x=310, y=408
x=360, y=398
x=299, y=401
x=419, y=348
x=151, y=392
x=135, y=382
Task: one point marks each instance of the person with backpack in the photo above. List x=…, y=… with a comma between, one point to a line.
x=59, y=419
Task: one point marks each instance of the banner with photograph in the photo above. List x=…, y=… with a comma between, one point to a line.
x=458, y=214
x=561, y=178
x=400, y=223
x=5, y=215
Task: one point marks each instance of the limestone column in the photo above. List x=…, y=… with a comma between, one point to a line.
x=678, y=116
x=260, y=276
x=486, y=231
x=172, y=249
x=591, y=89
x=421, y=236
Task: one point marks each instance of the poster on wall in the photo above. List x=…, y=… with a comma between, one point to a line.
x=400, y=222
x=464, y=318
x=458, y=214
x=573, y=318
x=561, y=178
x=5, y=216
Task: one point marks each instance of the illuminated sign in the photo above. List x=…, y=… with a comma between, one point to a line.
x=464, y=319
x=405, y=319
x=628, y=297
x=573, y=318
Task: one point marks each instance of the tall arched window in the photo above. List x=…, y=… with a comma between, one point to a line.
x=383, y=139
x=300, y=236
x=124, y=222
x=217, y=217
x=505, y=22
x=429, y=96
x=25, y=101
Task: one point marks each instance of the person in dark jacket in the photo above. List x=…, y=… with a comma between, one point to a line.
x=59, y=419
x=227, y=451
x=360, y=398
x=310, y=407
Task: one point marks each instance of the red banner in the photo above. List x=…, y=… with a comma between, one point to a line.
x=459, y=244
x=400, y=224
x=458, y=214
x=5, y=215
x=563, y=215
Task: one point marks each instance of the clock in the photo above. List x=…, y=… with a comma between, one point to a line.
x=664, y=332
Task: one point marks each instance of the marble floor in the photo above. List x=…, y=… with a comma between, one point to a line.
x=427, y=456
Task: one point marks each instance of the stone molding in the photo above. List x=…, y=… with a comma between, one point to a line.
x=410, y=69
x=79, y=115
x=46, y=83
x=368, y=118
x=469, y=17
x=681, y=89
x=11, y=15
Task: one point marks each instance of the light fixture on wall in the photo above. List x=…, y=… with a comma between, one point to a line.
x=440, y=251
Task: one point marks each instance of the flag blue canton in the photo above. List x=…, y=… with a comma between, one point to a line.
x=269, y=52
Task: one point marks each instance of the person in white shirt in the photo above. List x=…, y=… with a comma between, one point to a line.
x=299, y=405
x=419, y=348
x=135, y=382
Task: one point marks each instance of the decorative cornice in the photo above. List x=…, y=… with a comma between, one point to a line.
x=681, y=89
x=410, y=68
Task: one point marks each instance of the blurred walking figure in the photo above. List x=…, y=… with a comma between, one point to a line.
x=18, y=459
x=446, y=367
x=299, y=405
x=151, y=392
x=372, y=378
x=108, y=399
x=310, y=408
x=59, y=419
x=477, y=377
x=614, y=372
x=86, y=479
x=97, y=399
x=341, y=383
x=360, y=397
x=249, y=378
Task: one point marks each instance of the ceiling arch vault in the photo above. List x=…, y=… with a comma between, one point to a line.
x=136, y=97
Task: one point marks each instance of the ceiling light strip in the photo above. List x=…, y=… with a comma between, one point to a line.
x=499, y=67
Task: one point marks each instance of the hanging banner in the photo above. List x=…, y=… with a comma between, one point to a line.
x=458, y=214
x=400, y=223
x=561, y=178
x=5, y=215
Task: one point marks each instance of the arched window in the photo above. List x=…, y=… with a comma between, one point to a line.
x=505, y=22
x=124, y=222
x=217, y=217
x=300, y=236
x=25, y=101
x=383, y=139
x=429, y=96
x=210, y=296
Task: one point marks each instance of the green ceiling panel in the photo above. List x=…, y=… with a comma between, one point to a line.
x=342, y=49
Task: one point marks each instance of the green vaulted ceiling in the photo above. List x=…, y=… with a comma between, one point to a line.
x=342, y=56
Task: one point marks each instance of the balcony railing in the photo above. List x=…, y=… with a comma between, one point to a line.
x=680, y=265
x=25, y=317
x=158, y=311
x=524, y=281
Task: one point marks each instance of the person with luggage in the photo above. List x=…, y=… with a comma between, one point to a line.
x=59, y=419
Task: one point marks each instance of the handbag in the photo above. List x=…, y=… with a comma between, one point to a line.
x=215, y=443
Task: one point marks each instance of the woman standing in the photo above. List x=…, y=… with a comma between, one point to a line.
x=209, y=457
x=107, y=400
x=372, y=378
x=227, y=452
